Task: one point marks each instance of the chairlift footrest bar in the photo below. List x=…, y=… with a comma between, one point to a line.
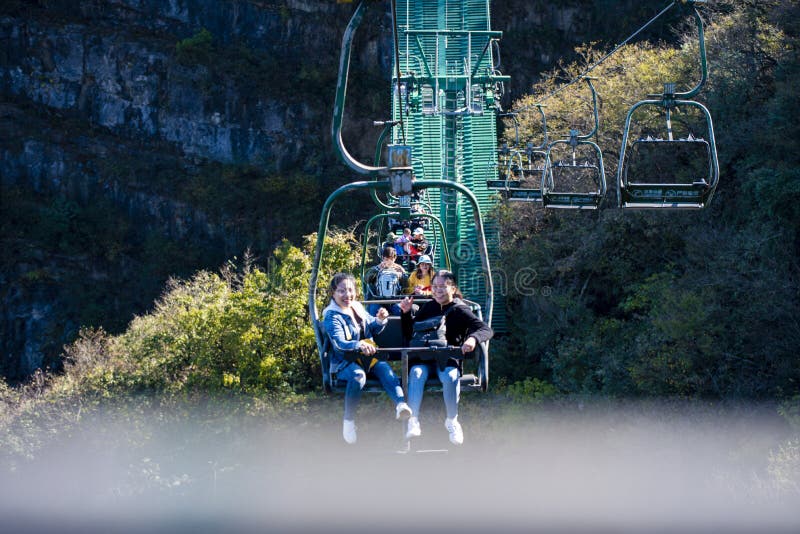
x=521, y=194
x=502, y=185
x=575, y=201
x=664, y=195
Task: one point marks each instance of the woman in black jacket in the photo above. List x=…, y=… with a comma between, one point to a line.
x=464, y=329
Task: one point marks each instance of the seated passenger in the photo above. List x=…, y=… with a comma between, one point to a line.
x=350, y=328
x=419, y=283
x=464, y=329
x=417, y=245
x=390, y=239
x=386, y=280
x=400, y=244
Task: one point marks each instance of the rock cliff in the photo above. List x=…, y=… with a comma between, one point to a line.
x=141, y=139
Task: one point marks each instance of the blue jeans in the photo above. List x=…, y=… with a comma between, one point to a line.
x=451, y=388
x=356, y=378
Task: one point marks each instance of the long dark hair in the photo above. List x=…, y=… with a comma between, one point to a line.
x=418, y=270
x=448, y=276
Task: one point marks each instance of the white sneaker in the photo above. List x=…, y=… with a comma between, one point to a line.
x=414, y=431
x=454, y=428
x=403, y=411
x=349, y=431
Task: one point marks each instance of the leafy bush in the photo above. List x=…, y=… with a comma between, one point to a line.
x=530, y=390
x=244, y=329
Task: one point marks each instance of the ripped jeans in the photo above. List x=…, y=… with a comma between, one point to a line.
x=451, y=388
x=356, y=377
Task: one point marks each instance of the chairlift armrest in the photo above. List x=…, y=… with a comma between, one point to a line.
x=434, y=353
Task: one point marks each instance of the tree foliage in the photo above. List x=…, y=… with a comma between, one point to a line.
x=690, y=304
x=243, y=329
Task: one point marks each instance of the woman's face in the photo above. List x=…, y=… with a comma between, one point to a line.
x=426, y=267
x=443, y=290
x=345, y=293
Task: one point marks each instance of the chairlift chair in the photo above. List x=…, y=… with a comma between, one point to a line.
x=554, y=192
x=674, y=191
x=475, y=372
x=520, y=174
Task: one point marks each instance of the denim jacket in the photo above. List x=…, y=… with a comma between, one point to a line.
x=344, y=333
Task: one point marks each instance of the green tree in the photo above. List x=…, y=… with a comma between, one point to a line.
x=689, y=304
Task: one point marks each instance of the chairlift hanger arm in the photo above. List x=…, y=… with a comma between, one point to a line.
x=387, y=128
x=341, y=92
x=385, y=186
x=513, y=115
x=543, y=146
x=669, y=97
x=481, y=55
x=702, y=46
x=588, y=80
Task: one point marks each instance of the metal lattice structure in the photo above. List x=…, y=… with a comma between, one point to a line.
x=449, y=86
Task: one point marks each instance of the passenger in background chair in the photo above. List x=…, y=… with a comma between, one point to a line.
x=386, y=281
x=419, y=283
x=401, y=243
x=350, y=328
x=417, y=246
x=390, y=239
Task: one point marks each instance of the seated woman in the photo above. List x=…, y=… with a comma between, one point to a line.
x=419, y=283
x=350, y=328
x=463, y=329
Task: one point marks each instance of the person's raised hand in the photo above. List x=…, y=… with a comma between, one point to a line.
x=405, y=304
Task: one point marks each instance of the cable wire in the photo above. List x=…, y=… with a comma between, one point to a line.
x=602, y=59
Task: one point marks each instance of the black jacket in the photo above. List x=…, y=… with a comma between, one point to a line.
x=461, y=323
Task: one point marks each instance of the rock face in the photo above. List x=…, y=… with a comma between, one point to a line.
x=99, y=97
x=131, y=104
x=114, y=65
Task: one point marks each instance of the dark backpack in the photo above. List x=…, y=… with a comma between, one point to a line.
x=431, y=332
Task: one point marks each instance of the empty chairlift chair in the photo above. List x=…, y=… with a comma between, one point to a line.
x=672, y=164
x=521, y=171
x=575, y=177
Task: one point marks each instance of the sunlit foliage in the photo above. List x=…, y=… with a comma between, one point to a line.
x=688, y=304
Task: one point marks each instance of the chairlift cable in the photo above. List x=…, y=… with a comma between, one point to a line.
x=601, y=60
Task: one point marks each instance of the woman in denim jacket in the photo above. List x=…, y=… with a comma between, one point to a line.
x=350, y=328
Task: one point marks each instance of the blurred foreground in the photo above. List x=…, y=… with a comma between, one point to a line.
x=559, y=468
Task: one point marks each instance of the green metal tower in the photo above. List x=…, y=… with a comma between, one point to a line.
x=449, y=85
